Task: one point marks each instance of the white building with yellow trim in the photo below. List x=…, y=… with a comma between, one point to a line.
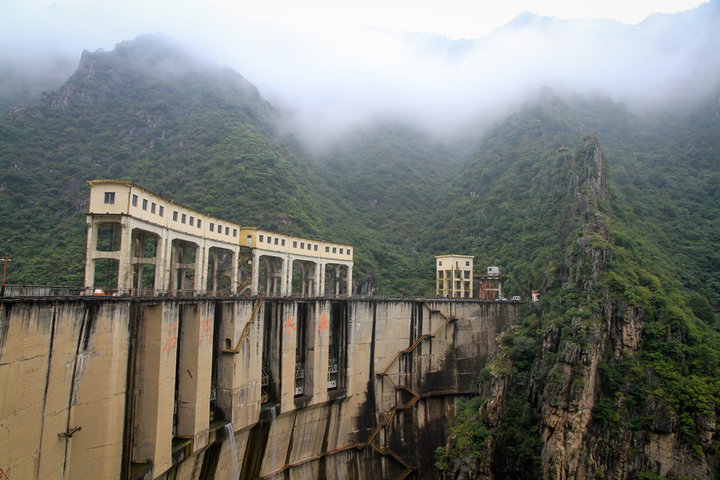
x=141, y=243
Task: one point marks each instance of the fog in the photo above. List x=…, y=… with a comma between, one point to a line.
x=330, y=77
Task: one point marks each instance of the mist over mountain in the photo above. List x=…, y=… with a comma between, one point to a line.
x=582, y=157
x=329, y=82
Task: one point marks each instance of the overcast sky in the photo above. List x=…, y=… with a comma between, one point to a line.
x=333, y=64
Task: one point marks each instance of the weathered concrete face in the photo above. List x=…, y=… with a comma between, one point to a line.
x=63, y=376
x=312, y=389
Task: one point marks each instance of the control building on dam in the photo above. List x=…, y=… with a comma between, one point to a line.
x=180, y=382
x=139, y=243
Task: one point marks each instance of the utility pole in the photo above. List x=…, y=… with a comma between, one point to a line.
x=2, y=292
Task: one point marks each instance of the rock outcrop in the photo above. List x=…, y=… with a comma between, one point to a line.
x=565, y=385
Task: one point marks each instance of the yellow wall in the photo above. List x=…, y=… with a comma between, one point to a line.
x=251, y=237
x=447, y=269
x=222, y=230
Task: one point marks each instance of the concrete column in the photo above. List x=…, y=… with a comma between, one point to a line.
x=317, y=284
x=349, y=281
x=89, y=250
x=283, y=276
x=268, y=275
x=172, y=260
x=234, y=270
x=125, y=270
x=201, y=252
x=214, y=257
x=239, y=376
x=255, y=272
x=337, y=279
x=194, y=382
x=322, y=279
x=289, y=277
x=288, y=358
x=152, y=438
x=161, y=270
x=138, y=244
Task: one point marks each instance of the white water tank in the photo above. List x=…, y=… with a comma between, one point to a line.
x=493, y=271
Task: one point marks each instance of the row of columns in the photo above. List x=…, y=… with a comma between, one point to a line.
x=171, y=259
x=279, y=274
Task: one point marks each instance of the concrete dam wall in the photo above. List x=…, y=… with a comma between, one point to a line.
x=176, y=388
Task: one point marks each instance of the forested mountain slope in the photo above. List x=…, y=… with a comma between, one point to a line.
x=502, y=207
x=615, y=373
x=149, y=113
x=394, y=176
x=203, y=136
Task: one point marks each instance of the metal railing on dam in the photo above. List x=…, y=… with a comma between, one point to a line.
x=21, y=291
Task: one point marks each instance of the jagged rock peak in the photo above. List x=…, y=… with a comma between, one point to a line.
x=87, y=63
x=591, y=172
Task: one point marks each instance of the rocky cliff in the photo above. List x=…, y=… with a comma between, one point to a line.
x=580, y=389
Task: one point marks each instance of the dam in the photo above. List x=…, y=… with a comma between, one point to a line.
x=235, y=387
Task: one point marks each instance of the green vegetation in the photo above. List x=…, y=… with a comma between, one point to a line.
x=594, y=284
x=642, y=249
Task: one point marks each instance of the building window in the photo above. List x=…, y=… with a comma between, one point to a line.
x=467, y=285
x=144, y=207
x=199, y=223
x=174, y=216
x=440, y=263
x=276, y=241
x=227, y=230
x=192, y=221
x=260, y=238
x=457, y=285
x=110, y=197
x=440, y=274
x=467, y=263
x=183, y=217
x=212, y=227
x=234, y=232
x=282, y=243
x=134, y=200
x=467, y=274
x=334, y=250
x=302, y=245
x=341, y=251
x=348, y=251
x=294, y=244
x=315, y=247
x=161, y=210
x=152, y=207
x=269, y=239
x=327, y=249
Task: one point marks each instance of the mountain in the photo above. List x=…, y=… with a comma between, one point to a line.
x=614, y=373
x=153, y=114
x=150, y=113
x=612, y=215
x=394, y=176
